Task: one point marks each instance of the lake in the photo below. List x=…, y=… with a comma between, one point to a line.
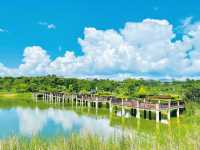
x=27, y=118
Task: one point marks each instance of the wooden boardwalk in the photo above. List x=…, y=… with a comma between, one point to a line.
x=155, y=104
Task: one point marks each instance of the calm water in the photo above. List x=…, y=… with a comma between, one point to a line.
x=31, y=119
x=51, y=121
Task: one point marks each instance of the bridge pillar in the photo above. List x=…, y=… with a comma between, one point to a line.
x=48, y=97
x=56, y=98
x=169, y=110
x=110, y=105
x=76, y=100
x=96, y=103
x=82, y=101
x=169, y=115
x=59, y=98
x=138, y=110
x=88, y=103
x=157, y=113
x=63, y=99
x=43, y=97
x=178, y=109
x=72, y=99
x=51, y=95
x=123, y=110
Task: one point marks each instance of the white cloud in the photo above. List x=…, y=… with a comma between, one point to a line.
x=187, y=21
x=3, y=30
x=140, y=49
x=48, y=25
x=35, y=62
x=51, y=26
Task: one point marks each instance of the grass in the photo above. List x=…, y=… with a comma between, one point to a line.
x=15, y=96
x=92, y=142
x=74, y=142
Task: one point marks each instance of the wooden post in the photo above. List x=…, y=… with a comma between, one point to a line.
x=123, y=111
x=43, y=97
x=88, y=103
x=157, y=113
x=63, y=99
x=59, y=98
x=178, y=109
x=55, y=98
x=82, y=101
x=169, y=110
x=145, y=112
x=36, y=97
x=51, y=98
x=46, y=97
x=72, y=100
x=76, y=100
x=96, y=103
x=138, y=110
x=110, y=105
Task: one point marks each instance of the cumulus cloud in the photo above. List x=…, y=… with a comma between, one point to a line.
x=48, y=25
x=51, y=26
x=141, y=49
x=36, y=61
x=3, y=30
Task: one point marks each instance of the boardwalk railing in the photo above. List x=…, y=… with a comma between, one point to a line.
x=135, y=104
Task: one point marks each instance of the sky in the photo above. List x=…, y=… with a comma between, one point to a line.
x=102, y=39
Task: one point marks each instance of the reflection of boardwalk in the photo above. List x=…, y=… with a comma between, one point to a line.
x=156, y=104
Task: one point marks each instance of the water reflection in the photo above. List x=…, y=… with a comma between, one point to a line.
x=34, y=121
x=51, y=122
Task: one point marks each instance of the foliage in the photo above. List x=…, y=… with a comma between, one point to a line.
x=193, y=94
x=127, y=88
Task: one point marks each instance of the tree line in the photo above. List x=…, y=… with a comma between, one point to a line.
x=190, y=89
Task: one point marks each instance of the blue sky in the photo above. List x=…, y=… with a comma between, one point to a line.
x=56, y=25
